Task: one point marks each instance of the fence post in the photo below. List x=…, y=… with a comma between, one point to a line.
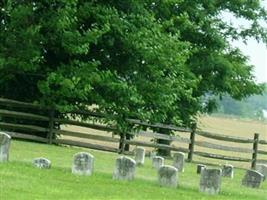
x=51, y=126
x=192, y=143
x=255, y=151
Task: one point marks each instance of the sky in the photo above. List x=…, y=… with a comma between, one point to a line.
x=257, y=52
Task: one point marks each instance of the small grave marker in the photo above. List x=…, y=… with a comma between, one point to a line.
x=167, y=176
x=252, y=179
x=42, y=163
x=124, y=168
x=4, y=146
x=200, y=167
x=83, y=164
x=210, y=181
x=228, y=171
x=157, y=162
x=140, y=156
x=262, y=168
x=178, y=161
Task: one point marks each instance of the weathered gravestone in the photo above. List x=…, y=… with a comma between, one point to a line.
x=140, y=156
x=157, y=162
x=252, y=179
x=178, y=161
x=210, y=181
x=42, y=163
x=200, y=167
x=83, y=164
x=124, y=168
x=228, y=171
x=152, y=154
x=167, y=176
x=4, y=146
x=262, y=168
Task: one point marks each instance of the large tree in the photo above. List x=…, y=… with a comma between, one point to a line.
x=152, y=60
x=79, y=53
x=218, y=67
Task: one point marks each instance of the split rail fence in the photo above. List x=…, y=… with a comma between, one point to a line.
x=23, y=114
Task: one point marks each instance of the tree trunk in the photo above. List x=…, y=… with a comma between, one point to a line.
x=126, y=146
x=164, y=152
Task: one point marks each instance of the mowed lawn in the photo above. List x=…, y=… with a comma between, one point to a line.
x=20, y=180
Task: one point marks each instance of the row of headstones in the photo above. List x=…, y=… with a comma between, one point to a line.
x=210, y=180
x=158, y=161
x=85, y=162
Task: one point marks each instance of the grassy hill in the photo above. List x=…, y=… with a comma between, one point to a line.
x=19, y=180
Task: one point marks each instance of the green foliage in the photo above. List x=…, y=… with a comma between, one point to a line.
x=151, y=60
x=219, y=67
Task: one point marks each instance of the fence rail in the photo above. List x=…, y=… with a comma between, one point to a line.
x=221, y=157
x=222, y=147
x=86, y=124
x=19, y=129
x=85, y=144
x=160, y=125
x=22, y=115
x=20, y=104
x=87, y=136
x=164, y=137
x=26, y=137
x=22, y=127
x=224, y=137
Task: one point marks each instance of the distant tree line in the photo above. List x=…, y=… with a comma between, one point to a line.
x=251, y=107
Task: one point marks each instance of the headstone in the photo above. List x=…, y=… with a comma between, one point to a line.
x=83, y=164
x=252, y=179
x=124, y=168
x=210, y=181
x=152, y=154
x=167, y=176
x=228, y=171
x=157, y=162
x=200, y=167
x=262, y=168
x=42, y=163
x=4, y=146
x=140, y=156
x=178, y=161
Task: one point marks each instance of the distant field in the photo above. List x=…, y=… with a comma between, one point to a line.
x=231, y=126
x=234, y=127
x=226, y=126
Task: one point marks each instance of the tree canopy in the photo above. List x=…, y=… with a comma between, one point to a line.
x=152, y=59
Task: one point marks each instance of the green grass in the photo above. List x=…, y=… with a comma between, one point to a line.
x=19, y=180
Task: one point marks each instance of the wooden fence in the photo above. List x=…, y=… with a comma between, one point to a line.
x=24, y=112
